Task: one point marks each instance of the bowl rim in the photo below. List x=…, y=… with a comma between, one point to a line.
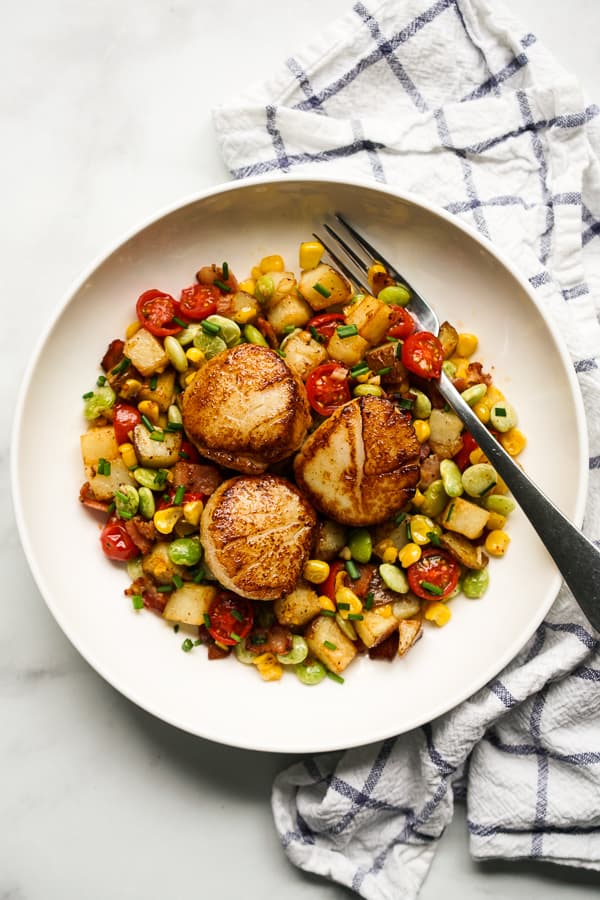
x=188, y=200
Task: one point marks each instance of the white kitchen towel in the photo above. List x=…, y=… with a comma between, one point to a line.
x=454, y=101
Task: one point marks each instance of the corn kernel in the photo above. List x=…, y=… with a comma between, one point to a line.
x=376, y=268
x=165, y=520
x=513, y=441
x=410, y=553
x=316, y=571
x=192, y=510
x=384, y=611
x=268, y=667
x=419, y=499
x=189, y=378
x=310, y=253
x=326, y=603
x=461, y=365
x=130, y=388
x=381, y=546
x=437, y=612
x=128, y=455
x=195, y=356
x=422, y=430
x=496, y=521
x=256, y=272
x=482, y=411
x=273, y=263
x=496, y=543
x=390, y=555
x=244, y=315
x=492, y=396
x=347, y=598
x=150, y=409
x=363, y=379
x=467, y=344
x=477, y=456
x=419, y=528
x=131, y=329
x=346, y=553
x=247, y=286
x=500, y=487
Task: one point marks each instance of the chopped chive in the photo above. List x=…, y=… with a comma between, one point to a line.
x=103, y=468
x=160, y=478
x=500, y=411
x=316, y=336
x=289, y=328
x=488, y=488
x=334, y=676
x=235, y=637
x=225, y=270
x=101, y=380
x=237, y=615
x=322, y=290
x=153, y=382
x=178, y=581
x=258, y=639
x=87, y=395
x=434, y=538
x=187, y=645
x=206, y=618
x=179, y=494
x=197, y=643
x=147, y=422
x=450, y=511
x=111, y=509
x=121, y=496
x=176, y=627
x=222, y=286
x=408, y=530
x=393, y=340
x=106, y=467
x=345, y=331
x=329, y=645
x=399, y=350
x=280, y=353
x=446, y=407
x=125, y=515
x=359, y=369
x=180, y=322
x=355, y=617
x=405, y=403
x=210, y=328
x=184, y=455
x=369, y=600
x=385, y=371
x=399, y=519
x=164, y=588
x=174, y=426
x=431, y=588
x=138, y=601
x=199, y=576
x=121, y=367
x=343, y=606
x=329, y=613
x=157, y=435
x=352, y=569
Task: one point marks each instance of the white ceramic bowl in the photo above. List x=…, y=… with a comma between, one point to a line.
x=137, y=652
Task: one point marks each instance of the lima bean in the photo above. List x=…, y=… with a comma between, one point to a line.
x=435, y=500
x=398, y=294
x=360, y=544
x=474, y=394
x=422, y=406
x=297, y=654
x=499, y=504
x=185, y=551
x=126, y=501
x=254, y=336
x=479, y=479
x=451, y=478
x=475, y=583
x=147, y=506
x=311, y=673
x=394, y=578
x=102, y=399
x=229, y=331
x=503, y=416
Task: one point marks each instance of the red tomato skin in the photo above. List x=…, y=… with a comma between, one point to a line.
x=325, y=324
x=125, y=418
x=191, y=454
x=328, y=588
x=418, y=573
x=469, y=444
x=223, y=622
x=116, y=543
x=403, y=323
x=325, y=394
x=423, y=355
x=198, y=301
x=155, y=311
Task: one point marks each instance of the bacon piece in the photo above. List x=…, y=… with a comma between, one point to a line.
x=276, y=639
x=197, y=478
x=88, y=500
x=153, y=599
x=217, y=652
x=142, y=533
x=475, y=375
x=113, y=355
x=430, y=471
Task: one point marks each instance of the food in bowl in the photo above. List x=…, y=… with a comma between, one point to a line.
x=275, y=465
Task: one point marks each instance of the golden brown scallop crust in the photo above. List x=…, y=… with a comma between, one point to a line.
x=361, y=464
x=246, y=410
x=257, y=533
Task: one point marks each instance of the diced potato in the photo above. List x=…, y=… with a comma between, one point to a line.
x=348, y=350
x=467, y=554
x=407, y=607
x=371, y=317
x=284, y=284
x=445, y=430
x=156, y=454
x=299, y=607
x=324, y=633
x=334, y=285
x=303, y=353
x=189, y=603
x=448, y=336
x=240, y=303
x=331, y=537
x=157, y=564
x=98, y=443
x=163, y=392
x=103, y=487
x=291, y=311
x=146, y=353
x=375, y=628
x=409, y=632
x=464, y=518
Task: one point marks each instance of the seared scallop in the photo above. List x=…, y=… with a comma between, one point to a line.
x=361, y=464
x=245, y=409
x=257, y=533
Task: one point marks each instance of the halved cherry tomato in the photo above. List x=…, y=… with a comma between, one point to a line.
x=327, y=388
x=116, y=543
x=403, y=323
x=325, y=324
x=125, y=418
x=188, y=452
x=230, y=615
x=198, y=301
x=155, y=310
x=436, y=570
x=469, y=444
x=168, y=498
x=328, y=588
x=422, y=354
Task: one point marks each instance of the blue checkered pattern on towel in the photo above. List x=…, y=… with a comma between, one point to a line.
x=455, y=101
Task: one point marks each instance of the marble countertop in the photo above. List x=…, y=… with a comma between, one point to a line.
x=106, y=118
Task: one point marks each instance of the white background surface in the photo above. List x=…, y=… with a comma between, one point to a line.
x=106, y=117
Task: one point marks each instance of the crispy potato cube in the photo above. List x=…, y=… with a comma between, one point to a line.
x=158, y=566
x=303, y=353
x=189, y=603
x=156, y=454
x=103, y=487
x=464, y=518
x=448, y=336
x=371, y=317
x=328, y=643
x=331, y=537
x=336, y=288
x=292, y=310
x=146, y=352
x=445, y=430
x=348, y=350
x=299, y=607
x=375, y=628
x=163, y=392
x=467, y=554
x=409, y=632
x=98, y=443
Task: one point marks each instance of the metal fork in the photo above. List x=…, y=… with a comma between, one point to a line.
x=575, y=556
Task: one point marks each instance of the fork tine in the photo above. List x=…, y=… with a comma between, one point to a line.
x=348, y=272
x=352, y=254
x=373, y=253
